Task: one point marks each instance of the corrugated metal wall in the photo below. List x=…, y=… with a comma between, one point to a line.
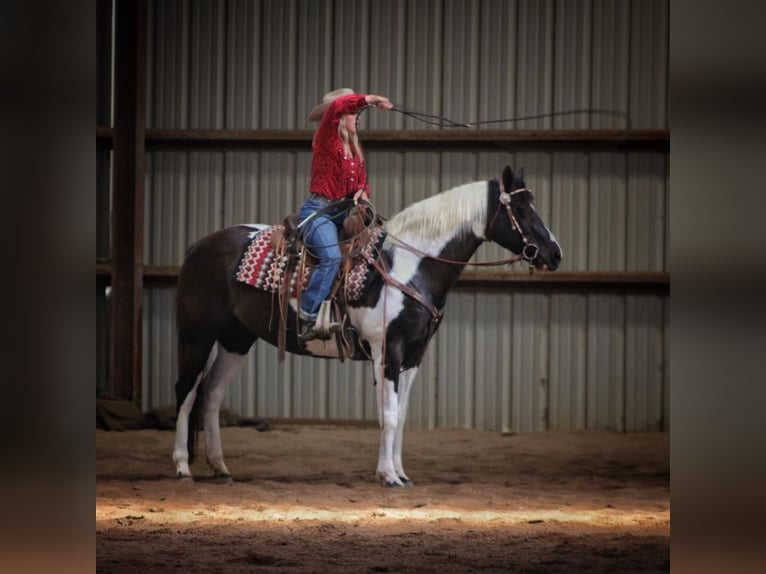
x=517, y=362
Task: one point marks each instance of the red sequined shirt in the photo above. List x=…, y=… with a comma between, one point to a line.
x=334, y=174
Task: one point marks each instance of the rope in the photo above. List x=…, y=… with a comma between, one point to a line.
x=442, y=121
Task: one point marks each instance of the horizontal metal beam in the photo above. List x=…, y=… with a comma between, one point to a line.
x=657, y=282
x=616, y=140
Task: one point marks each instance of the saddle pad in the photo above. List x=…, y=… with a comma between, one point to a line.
x=261, y=267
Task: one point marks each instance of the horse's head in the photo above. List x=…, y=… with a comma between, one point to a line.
x=514, y=223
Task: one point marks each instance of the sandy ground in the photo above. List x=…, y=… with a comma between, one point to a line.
x=305, y=499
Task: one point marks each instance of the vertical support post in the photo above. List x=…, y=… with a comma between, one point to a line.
x=128, y=198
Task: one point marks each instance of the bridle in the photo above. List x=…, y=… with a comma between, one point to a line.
x=530, y=250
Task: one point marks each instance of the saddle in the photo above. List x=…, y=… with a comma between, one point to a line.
x=277, y=261
x=354, y=227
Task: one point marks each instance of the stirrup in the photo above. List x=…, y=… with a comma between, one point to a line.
x=319, y=326
x=309, y=332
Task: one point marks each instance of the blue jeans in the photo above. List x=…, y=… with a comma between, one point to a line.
x=320, y=237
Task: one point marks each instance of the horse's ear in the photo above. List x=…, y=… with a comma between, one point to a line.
x=520, y=173
x=508, y=177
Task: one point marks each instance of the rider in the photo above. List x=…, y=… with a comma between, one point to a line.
x=337, y=171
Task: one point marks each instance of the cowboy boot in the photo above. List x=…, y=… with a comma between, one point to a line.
x=313, y=327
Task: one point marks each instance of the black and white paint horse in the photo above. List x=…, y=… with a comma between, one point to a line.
x=404, y=308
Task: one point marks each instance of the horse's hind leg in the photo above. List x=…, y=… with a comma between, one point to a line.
x=234, y=342
x=193, y=354
x=225, y=367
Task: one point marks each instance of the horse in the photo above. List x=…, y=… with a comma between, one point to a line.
x=426, y=247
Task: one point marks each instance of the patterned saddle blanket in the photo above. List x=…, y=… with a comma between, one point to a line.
x=263, y=268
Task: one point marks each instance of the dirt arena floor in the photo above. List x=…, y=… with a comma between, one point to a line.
x=305, y=499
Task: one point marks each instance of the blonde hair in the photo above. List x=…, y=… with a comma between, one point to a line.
x=350, y=141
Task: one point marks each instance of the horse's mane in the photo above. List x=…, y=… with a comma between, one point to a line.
x=457, y=209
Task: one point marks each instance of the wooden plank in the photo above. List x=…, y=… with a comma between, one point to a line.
x=569, y=281
x=564, y=281
x=655, y=140
x=128, y=199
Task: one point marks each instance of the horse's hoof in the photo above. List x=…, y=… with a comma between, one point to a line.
x=185, y=478
x=407, y=482
x=392, y=484
x=223, y=478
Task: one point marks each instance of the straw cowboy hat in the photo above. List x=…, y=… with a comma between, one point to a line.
x=329, y=97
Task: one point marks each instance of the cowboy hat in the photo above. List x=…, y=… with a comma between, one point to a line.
x=329, y=97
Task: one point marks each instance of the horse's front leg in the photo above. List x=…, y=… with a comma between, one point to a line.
x=388, y=417
x=405, y=386
x=225, y=367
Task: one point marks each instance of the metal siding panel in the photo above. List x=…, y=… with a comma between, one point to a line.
x=648, y=91
x=460, y=58
x=274, y=382
x=572, y=63
x=570, y=208
x=423, y=75
x=385, y=173
x=350, y=45
x=644, y=364
x=278, y=65
x=646, y=212
x=568, y=362
x=611, y=63
x=159, y=348
x=169, y=63
x=506, y=318
x=497, y=64
x=469, y=356
x=458, y=168
x=309, y=384
x=243, y=64
x=241, y=189
x=530, y=377
x=455, y=341
x=606, y=362
x=167, y=208
x=492, y=311
x=423, y=406
x=277, y=186
x=266, y=381
x=205, y=193
x=534, y=91
x=607, y=216
x=208, y=51
x=314, y=56
x=388, y=58
x=350, y=390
